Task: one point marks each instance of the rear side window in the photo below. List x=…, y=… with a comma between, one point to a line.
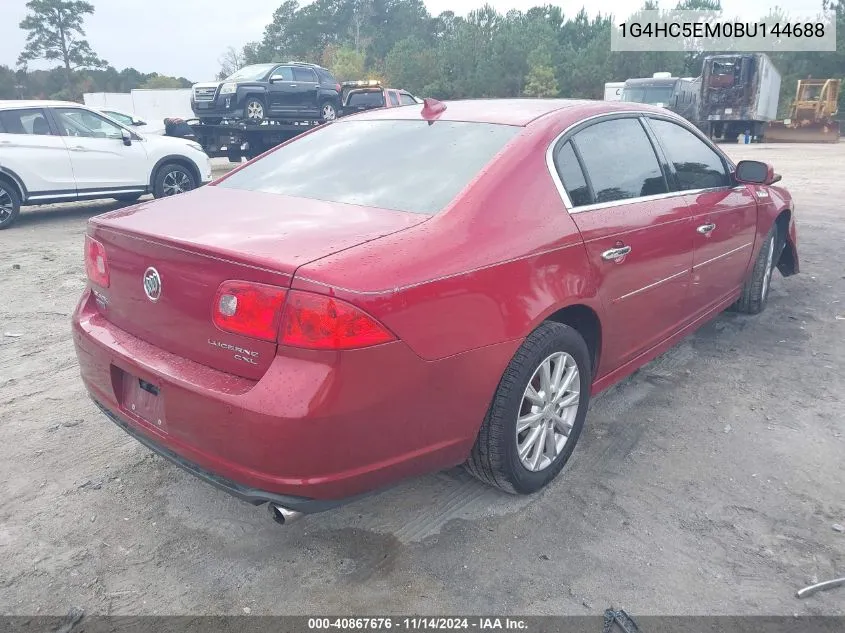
x=401, y=165
x=394, y=99
x=620, y=161
x=24, y=121
x=406, y=99
x=374, y=98
x=304, y=74
x=569, y=170
x=697, y=166
x=325, y=76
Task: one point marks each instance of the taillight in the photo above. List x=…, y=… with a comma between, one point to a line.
x=250, y=309
x=96, y=262
x=320, y=322
x=337, y=87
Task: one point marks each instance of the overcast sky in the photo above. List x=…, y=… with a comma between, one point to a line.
x=186, y=37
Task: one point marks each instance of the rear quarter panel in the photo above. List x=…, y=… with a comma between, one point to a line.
x=487, y=269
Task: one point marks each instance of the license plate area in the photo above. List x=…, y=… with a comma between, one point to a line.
x=142, y=399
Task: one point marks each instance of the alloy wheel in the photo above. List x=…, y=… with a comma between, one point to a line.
x=255, y=111
x=547, y=411
x=7, y=207
x=328, y=112
x=176, y=182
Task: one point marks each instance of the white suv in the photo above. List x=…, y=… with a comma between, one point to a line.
x=52, y=151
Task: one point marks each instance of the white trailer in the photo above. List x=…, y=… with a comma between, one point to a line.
x=613, y=90
x=152, y=106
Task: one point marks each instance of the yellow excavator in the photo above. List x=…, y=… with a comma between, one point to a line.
x=810, y=116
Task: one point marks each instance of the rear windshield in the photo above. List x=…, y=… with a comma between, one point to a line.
x=370, y=98
x=401, y=165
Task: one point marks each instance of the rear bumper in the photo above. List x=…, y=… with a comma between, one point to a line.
x=316, y=429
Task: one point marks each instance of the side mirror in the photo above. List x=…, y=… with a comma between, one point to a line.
x=756, y=172
x=126, y=135
x=139, y=122
x=276, y=78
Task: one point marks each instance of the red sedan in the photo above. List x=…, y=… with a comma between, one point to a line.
x=409, y=289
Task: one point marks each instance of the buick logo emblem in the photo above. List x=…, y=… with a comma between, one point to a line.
x=152, y=284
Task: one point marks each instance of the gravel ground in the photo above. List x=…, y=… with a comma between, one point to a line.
x=710, y=482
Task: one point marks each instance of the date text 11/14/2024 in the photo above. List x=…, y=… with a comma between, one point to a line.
x=417, y=623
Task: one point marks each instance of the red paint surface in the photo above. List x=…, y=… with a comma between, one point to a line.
x=459, y=290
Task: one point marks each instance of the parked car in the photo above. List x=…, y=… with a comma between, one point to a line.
x=369, y=94
x=130, y=120
x=293, y=91
x=53, y=151
x=406, y=290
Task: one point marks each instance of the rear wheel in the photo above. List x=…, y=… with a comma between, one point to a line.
x=10, y=205
x=327, y=111
x=254, y=110
x=173, y=179
x=537, y=413
x=755, y=292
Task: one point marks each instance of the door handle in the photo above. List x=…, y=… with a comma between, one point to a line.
x=77, y=148
x=616, y=253
x=706, y=229
x=294, y=86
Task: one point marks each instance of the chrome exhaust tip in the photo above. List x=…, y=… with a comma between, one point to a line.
x=282, y=515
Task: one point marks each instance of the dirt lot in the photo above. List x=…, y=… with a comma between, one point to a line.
x=708, y=483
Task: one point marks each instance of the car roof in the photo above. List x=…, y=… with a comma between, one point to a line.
x=37, y=103
x=519, y=112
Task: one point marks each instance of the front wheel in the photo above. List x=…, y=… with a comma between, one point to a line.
x=537, y=412
x=254, y=110
x=173, y=179
x=10, y=205
x=327, y=111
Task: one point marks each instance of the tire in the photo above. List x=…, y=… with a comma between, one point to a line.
x=172, y=179
x=495, y=457
x=128, y=197
x=255, y=110
x=10, y=205
x=755, y=291
x=328, y=111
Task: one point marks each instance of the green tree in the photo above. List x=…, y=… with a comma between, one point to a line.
x=55, y=33
x=161, y=82
x=346, y=64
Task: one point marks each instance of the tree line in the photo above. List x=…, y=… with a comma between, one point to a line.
x=55, y=33
x=542, y=52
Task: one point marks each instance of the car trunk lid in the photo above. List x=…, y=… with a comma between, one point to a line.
x=196, y=241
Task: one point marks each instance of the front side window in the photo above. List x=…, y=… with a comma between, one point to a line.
x=413, y=166
x=620, y=161
x=78, y=122
x=697, y=166
x=406, y=99
x=283, y=73
x=24, y=121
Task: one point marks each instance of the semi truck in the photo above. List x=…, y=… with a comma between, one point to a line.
x=739, y=95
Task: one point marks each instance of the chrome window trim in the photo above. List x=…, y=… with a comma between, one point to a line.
x=550, y=165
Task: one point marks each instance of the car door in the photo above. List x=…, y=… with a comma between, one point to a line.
x=307, y=88
x=101, y=160
x=32, y=150
x=282, y=92
x=638, y=236
x=724, y=215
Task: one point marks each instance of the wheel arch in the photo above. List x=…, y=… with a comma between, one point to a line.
x=584, y=320
x=787, y=262
x=180, y=160
x=11, y=178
